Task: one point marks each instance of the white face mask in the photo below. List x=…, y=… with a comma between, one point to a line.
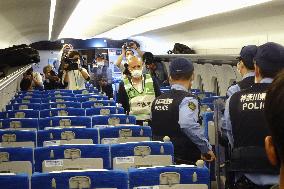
x=136, y=73
x=100, y=63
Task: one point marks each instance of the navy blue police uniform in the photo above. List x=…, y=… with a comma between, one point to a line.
x=245, y=124
x=175, y=114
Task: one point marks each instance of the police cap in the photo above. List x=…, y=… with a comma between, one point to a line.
x=180, y=66
x=270, y=56
x=247, y=54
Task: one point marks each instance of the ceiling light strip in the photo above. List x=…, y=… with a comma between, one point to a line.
x=51, y=17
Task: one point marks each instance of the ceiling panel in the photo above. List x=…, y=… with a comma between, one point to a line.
x=87, y=15
x=19, y=16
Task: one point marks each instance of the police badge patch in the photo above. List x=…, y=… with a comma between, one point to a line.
x=191, y=106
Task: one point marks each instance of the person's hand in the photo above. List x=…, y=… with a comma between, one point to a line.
x=123, y=49
x=209, y=156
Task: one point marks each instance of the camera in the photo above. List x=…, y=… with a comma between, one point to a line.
x=128, y=45
x=71, y=64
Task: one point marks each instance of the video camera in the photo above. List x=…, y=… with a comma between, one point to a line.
x=128, y=45
x=71, y=64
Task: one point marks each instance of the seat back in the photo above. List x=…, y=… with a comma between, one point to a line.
x=98, y=103
x=64, y=105
x=106, y=110
x=65, y=122
x=19, y=123
x=141, y=154
x=68, y=136
x=62, y=112
x=80, y=179
x=113, y=119
x=22, y=114
x=16, y=160
x=122, y=134
x=178, y=177
x=72, y=157
x=32, y=106
x=59, y=99
x=14, y=138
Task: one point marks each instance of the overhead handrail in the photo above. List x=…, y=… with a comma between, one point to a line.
x=13, y=76
x=204, y=58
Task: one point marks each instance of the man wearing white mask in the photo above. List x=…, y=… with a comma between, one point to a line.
x=137, y=92
x=101, y=69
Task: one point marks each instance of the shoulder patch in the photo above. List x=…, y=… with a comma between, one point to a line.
x=191, y=106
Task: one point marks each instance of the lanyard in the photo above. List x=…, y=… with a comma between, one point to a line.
x=76, y=79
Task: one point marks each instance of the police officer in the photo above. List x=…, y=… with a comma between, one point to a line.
x=245, y=124
x=175, y=114
x=245, y=67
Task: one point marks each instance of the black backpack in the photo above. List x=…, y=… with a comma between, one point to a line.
x=181, y=49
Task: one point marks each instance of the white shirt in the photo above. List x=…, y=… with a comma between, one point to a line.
x=76, y=80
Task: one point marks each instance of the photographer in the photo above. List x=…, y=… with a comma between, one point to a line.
x=74, y=74
x=64, y=52
x=51, y=80
x=127, y=52
x=35, y=78
x=156, y=68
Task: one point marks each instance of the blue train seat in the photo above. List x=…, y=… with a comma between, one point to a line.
x=178, y=177
x=67, y=136
x=86, y=91
x=100, y=179
x=16, y=160
x=15, y=138
x=58, y=91
x=19, y=123
x=22, y=114
x=61, y=105
x=106, y=110
x=30, y=92
x=14, y=181
x=62, y=112
x=62, y=94
x=59, y=99
x=72, y=157
x=29, y=96
x=91, y=98
x=98, y=103
x=32, y=106
x=25, y=101
x=141, y=154
x=113, y=119
x=122, y=134
x=65, y=122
